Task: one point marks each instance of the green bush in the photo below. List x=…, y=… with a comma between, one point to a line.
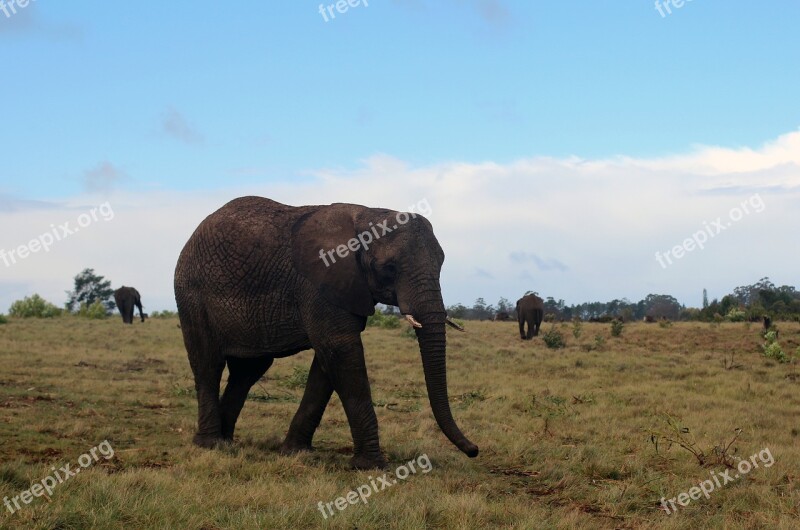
x=664, y=323
x=3, y=319
x=577, y=328
x=553, y=338
x=97, y=310
x=616, y=328
x=163, y=314
x=298, y=379
x=34, y=307
x=380, y=320
x=735, y=315
x=772, y=349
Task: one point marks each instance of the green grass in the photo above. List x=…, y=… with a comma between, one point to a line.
x=566, y=435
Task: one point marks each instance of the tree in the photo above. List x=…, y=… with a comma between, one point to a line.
x=705, y=299
x=662, y=305
x=503, y=305
x=89, y=288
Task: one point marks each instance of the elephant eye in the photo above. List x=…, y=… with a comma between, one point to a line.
x=388, y=271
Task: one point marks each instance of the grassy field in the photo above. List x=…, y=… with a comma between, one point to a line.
x=566, y=436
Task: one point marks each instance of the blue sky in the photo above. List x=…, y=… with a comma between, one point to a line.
x=168, y=109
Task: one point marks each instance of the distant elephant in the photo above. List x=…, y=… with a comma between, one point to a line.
x=126, y=298
x=502, y=316
x=530, y=309
x=260, y=280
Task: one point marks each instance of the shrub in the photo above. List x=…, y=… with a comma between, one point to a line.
x=3, y=319
x=616, y=328
x=553, y=338
x=97, y=310
x=33, y=307
x=772, y=349
x=298, y=379
x=735, y=315
x=599, y=342
x=380, y=320
x=577, y=328
x=163, y=314
x=665, y=323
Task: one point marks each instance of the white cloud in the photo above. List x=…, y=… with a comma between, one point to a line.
x=571, y=228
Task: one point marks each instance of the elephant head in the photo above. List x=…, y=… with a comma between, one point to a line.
x=356, y=256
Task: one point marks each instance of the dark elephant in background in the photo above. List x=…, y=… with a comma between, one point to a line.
x=502, y=316
x=260, y=280
x=126, y=298
x=530, y=309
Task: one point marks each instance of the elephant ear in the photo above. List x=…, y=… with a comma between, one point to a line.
x=340, y=280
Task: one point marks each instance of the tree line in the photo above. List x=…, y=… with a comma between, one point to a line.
x=748, y=302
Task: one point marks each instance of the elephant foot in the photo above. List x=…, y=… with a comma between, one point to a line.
x=369, y=462
x=208, y=441
x=291, y=448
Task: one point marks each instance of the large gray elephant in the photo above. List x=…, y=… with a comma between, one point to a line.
x=530, y=309
x=259, y=280
x=126, y=298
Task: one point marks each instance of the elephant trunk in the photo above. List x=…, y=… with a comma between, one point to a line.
x=433, y=347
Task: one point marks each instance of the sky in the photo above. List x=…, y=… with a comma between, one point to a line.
x=574, y=148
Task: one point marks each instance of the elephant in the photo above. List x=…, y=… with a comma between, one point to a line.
x=501, y=316
x=126, y=298
x=530, y=309
x=259, y=280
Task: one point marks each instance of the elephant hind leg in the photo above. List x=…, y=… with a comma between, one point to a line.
x=207, y=365
x=309, y=413
x=242, y=374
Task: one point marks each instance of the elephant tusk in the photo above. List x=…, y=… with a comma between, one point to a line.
x=454, y=325
x=412, y=321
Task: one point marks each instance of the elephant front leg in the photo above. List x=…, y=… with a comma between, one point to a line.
x=309, y=414
x=522, y=329
x=347, y=370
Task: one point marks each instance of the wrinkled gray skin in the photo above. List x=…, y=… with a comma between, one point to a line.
x=251, y=287
x=530, y=309
x=126, y=298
